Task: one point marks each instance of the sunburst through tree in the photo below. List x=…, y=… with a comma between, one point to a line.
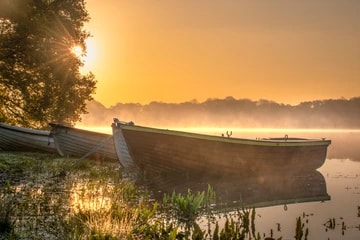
x=42, y=45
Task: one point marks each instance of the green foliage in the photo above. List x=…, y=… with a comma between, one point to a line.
x=154, y=229
x=40, y=80
x=186, y=208
x=176, y=217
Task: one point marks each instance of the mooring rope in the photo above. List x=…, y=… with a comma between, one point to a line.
x=95, y=148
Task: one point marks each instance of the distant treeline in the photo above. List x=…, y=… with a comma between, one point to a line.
x=331, y=113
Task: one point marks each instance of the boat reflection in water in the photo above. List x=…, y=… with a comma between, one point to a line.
x=237, y=191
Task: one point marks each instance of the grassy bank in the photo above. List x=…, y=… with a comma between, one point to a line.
x=47, y=197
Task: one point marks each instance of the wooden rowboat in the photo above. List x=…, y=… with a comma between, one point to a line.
x=14, y=138
x=75, y=142
x=154, y=149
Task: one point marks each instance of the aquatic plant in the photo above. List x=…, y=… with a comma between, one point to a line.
x=299, y=231
x=186, y=208
x=331, y=225
x=240, y=226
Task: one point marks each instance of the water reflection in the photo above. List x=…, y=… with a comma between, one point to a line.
x=345, y=146
x=343, y=185
x=281, y=188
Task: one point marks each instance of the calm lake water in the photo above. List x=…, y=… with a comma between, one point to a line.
x=341, y=172
x=328, y=194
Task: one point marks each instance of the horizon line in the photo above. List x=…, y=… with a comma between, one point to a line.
x=195, y=101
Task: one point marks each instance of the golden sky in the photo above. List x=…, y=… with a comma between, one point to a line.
x=180, y=50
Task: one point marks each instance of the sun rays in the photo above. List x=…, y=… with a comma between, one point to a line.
x=77, y=50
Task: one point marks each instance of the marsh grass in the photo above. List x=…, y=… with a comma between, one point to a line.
x=43, y=196
x=47, y=197
x=6, y=223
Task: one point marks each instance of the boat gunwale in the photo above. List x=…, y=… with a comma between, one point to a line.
x=96, y=140
x=61, y=126
x=286, y=142
x=24, y=130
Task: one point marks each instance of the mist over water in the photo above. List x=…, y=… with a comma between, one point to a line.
x=335, y=119
x=231, y=113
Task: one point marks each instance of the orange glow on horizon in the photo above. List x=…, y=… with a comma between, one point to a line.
x=180, y=51
x=236, y=131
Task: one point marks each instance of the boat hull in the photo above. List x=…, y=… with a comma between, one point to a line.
x=172, y=151
x=81, y=143
x=13, y=138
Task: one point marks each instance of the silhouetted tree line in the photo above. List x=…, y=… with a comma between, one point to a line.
x=331, y=113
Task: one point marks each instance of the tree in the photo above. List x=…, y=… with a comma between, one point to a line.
x=40, y=79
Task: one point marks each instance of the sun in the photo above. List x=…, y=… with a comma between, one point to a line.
x=87, y=57
x=91, y=53
x=77, y=51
